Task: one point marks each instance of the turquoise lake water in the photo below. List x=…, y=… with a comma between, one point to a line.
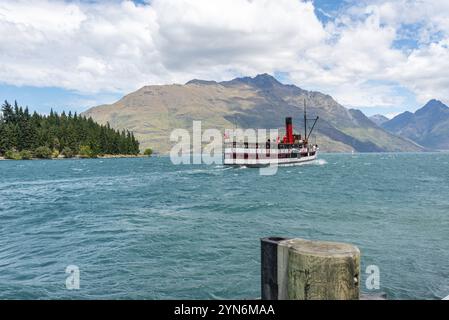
x=144, y=228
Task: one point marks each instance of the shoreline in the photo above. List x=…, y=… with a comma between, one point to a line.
x=105, y=156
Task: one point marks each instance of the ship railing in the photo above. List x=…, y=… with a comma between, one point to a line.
x=261, y=145
x=248, y=145
x=243, y=151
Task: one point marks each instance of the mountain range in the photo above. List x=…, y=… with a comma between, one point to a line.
x=428, y=126
x=152, y=112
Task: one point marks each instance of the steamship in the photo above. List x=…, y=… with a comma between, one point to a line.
x=293, y=149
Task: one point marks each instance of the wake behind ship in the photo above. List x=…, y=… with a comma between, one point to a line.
x=293, y=149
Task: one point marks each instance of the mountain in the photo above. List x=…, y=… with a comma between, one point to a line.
x=152, y=112
x=379, y=119
x=428, y=126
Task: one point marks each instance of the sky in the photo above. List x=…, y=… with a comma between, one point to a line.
x=379, y=56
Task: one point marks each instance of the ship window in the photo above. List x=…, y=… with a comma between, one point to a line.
x=234, y=144
x=246, y=156
x=234, y=156
x=246, y=145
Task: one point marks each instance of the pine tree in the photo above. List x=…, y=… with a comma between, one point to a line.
x=8, y=112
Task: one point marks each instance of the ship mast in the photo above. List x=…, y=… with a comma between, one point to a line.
x=305, y=121
x=307, y=135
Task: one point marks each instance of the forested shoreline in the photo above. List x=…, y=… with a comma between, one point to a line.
x=24, y=136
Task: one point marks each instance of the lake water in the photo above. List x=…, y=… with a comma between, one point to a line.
x=144, y=228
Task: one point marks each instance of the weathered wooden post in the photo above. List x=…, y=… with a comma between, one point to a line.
x=269, y=272
x=299, y=269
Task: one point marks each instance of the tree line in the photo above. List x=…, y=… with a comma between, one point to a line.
x=24, y=135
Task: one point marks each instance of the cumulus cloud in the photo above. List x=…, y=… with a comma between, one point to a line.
x=119, y=46
x=422, y=68
x=85, y=47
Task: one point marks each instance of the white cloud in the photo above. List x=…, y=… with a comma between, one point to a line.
x=84, y=47
x=425, y=72
x=91, y=66
x=363, y=54
x=42, y=16
x=222, y=39
x=120, y=46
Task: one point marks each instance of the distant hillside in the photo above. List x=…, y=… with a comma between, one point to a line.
x=152, y=112
x=428, y=126
x=379, y=119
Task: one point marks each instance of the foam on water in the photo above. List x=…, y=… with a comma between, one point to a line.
x=317, y=162
x=320, y=162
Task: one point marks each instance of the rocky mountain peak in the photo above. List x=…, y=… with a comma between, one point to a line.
x=262, y=81
x=378, y=119
x=433, y=106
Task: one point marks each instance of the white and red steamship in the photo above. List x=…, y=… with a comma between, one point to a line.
x=293, y=149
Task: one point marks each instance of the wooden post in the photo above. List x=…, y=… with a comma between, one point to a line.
x=269, y=270
x=299, y=269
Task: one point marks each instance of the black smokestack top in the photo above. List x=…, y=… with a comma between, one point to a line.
x=288, y=121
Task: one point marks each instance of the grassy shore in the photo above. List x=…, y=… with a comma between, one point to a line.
x=104, y=156
x=108, y=156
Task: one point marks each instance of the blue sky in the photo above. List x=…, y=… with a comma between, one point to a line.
x=381, y=56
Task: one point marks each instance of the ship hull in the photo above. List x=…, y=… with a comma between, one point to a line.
x=261, y=163
x=293, y=150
